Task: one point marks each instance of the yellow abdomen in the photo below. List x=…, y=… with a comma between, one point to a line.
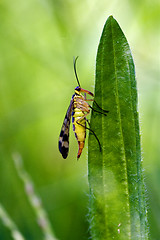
x=79, y=125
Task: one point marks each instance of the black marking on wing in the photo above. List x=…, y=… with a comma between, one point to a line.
x=64, y=134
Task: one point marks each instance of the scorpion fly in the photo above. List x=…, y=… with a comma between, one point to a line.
x=79, y=109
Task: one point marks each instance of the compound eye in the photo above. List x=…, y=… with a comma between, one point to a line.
x=78, y=88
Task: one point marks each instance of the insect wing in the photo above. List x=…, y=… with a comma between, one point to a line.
x=64, y=135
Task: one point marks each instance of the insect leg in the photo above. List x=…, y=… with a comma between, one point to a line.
x=95, y=103
x=98, y=111
x=84, y=116
x=87, y=121
x=100, y=107
x=100, y=148
x=86, y=91
x=89, y=99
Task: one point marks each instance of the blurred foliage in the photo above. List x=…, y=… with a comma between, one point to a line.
x=38, y=39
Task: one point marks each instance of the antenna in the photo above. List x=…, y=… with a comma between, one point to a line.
x=74, y=64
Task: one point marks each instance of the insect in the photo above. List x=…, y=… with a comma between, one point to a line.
x=79, y=109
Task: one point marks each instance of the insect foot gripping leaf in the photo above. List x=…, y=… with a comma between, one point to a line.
x=117, y=194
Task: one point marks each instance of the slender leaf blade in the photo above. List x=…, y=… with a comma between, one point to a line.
x=117, y=203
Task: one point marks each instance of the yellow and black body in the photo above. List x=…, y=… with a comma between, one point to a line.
x=79, y=109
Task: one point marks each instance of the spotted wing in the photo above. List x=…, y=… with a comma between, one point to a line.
x=64, y=135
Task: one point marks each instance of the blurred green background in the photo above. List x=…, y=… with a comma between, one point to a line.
x=38, y=39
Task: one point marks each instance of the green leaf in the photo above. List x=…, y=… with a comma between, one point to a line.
x=117, y=194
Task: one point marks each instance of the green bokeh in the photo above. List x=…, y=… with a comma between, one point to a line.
x=38, y=39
